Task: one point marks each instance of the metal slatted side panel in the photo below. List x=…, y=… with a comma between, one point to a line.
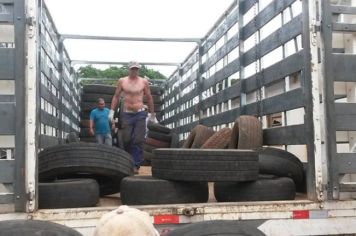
x=59, y=90
x=340, y=117
x=258, y=65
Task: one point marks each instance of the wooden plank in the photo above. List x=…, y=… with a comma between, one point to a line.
x=344, y=27
x=6, y=198
x=221, y=53
x=343, y=66
x=8, y=121
x=48, y=141
x=280, y=70
x=346, y=163
x=7, y=171
x=281, y=36
x=48, y=119
x=7, y=59
x=222, y=118
x=266, y=15
x=187, y=97
x=230, y=21
x=246, y=5
x=48, y=96
x=186, y=128
x=345, y=119
x=342, y=9
x=347, y=187
x=222, y=96
x=286, y=135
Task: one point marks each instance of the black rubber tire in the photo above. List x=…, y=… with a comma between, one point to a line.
x=156, y=143
x=148, y=156
x=99, y=89
x=146, y=190
x=88, y=139
x=34, y=228
x=69, y=193
x=175, y=141
x=72, y=137
x=219, y=140
x=148, y=148
x=302, y=188
x=217, y=228
x=247, y=133
x=159, y=136
x=156, y=90
x=205, y=165
x=280, y=163
x=85, y=158
x=158, y=128
x=198, y=136
x=264, y=189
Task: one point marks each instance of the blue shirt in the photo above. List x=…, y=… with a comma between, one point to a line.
x=101, y=120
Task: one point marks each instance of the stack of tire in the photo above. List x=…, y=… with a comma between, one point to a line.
x=76, y=174
x=90, y=95
x=158, y=136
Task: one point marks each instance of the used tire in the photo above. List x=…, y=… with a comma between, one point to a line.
x=70, y=193
x=93, y=97
x=72, y=137
x=148, y=156
x=158, y=128
x=34, y=228
x=148, y=148
x=156, y=90
x=146, y=190
x=217, y=228
x=85, y=158
x=159, y=136
x=219, y=140
x=157, y=143
x=198, y=136
x=264, y=189
x=99, y=89
x=247, y=133
x=175, y=141
x=277, y=162
x=205, y=165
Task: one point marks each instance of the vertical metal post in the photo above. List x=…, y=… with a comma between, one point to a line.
x=20, y=138
x=200, y=81
x=310, y=85
x=328, y=100
x=61, y=90
x=241, y=52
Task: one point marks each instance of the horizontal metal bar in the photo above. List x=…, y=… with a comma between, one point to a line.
x=48, y=72
x=48, y=96
x=142, y=39
x=7, y=60
x=7, y=114
x=6, y=13
x=7, y=1
x=6, y=198
x=222, y=96
x=347, y=187
x=286, y=135
x=343, y=27
x=246, y=5
x=280, y=70
x=339, y=9
x=345, y=116
x=7, y=171
x=266, y=15
x=221, y=118
x=7, y=98
x=186, y=128
x=346, y=163
x=74, y=62
x=344, y=68
x=187, y=97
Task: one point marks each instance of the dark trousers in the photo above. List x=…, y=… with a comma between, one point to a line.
x=134, y=131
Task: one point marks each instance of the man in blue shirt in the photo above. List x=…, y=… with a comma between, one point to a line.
x=99, y=123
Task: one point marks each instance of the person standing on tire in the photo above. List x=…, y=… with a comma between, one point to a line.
x=134, y=115
x=99, y=123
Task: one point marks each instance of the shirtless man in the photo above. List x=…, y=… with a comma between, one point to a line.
x=134, y=115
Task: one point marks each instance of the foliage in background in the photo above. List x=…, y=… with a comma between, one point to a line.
x=113, y=73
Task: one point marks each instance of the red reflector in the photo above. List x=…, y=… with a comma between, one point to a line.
x=166, y=219
x=300, y=214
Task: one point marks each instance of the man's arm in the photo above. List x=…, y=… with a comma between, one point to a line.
x=115, y=100
x=147, y=92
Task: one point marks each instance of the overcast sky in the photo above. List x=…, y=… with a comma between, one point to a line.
x=135, y=18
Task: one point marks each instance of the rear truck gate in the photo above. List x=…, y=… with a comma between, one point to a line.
x=298, y=78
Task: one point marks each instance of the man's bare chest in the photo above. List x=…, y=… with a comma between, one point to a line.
x=133, y=87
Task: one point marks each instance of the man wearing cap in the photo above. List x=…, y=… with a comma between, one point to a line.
x=134, y=114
